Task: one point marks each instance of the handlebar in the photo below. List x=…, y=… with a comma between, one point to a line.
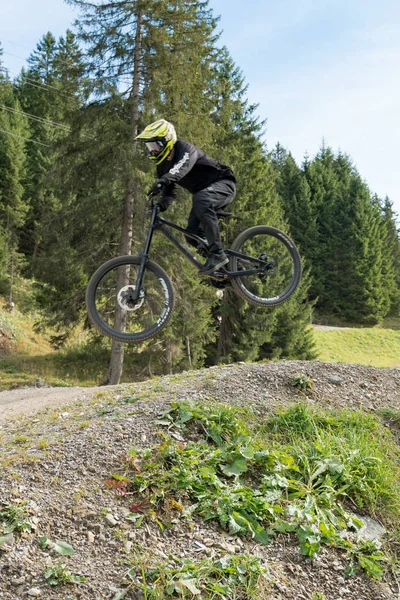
x=151, y=195
x=152, y=206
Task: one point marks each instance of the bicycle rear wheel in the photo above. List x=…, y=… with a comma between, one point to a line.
x=110, y=303
x=279, y=260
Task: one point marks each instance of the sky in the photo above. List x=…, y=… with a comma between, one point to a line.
x=318, y=69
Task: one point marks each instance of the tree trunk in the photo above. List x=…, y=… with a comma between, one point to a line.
x=189, y=353
x=226, y=329
x=117, y=350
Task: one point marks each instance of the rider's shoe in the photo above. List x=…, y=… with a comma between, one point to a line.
x=215, y=261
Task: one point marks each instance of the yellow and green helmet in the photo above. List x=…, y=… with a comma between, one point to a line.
x=159, y=138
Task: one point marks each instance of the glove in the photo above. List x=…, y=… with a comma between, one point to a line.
x=157, y=187
x=163, y=204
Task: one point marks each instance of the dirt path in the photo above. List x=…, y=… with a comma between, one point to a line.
x=26, y=400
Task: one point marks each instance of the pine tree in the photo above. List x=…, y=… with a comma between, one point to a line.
x=39, y=97
x=139, y=54
x=201, y=91
x=338, y=227
x=13, y=209
x=244, y=330
x=299, y=209
x=392, y=248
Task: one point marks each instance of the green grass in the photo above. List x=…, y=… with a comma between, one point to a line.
x=375, y=347
x=80, y=366
x=18, y=335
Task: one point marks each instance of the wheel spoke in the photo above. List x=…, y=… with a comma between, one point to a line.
x=115, y=308
x=279, y=266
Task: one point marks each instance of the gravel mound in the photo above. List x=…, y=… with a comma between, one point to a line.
x=58, y=458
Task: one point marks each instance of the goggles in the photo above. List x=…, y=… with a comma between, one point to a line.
x=154, y=148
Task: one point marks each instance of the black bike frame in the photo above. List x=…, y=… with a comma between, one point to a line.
x=157, y=222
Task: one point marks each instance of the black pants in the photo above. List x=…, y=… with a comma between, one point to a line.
x=203, y=220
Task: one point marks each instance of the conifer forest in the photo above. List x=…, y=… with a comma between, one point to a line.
x=73, y=191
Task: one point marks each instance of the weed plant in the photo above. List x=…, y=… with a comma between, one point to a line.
x=58, y=574
x=14, y=517
x=228, y=578
x=299, y=472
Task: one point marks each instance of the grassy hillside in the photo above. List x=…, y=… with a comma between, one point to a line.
x=374, y=347
x=26, y=356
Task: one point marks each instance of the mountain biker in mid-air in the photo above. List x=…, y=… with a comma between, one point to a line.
x=212, y=185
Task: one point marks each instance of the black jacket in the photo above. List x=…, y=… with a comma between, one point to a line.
x=190, y=168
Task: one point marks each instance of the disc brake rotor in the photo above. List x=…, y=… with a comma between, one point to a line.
x=126, y=298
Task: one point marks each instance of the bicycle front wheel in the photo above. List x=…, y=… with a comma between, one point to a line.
x=279, y=267
x=111, y=305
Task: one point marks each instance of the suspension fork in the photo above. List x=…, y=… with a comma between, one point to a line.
x=145, y=254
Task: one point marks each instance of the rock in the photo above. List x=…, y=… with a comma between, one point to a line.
x=111, y=520
x=34, y=592
x=90, y=537
x=198, y=546
x=208, y=541
x=371, y=529
x=225, y=546
x=335, y=379
x=8, y=542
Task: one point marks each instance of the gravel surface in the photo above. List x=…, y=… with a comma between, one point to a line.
x=28, y=399
x=58, y=459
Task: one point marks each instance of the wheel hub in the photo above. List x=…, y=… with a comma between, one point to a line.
x=268, y=269
x=126, y=298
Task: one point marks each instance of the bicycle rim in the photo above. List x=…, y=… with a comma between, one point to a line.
x=279, y=260
x=113, y=309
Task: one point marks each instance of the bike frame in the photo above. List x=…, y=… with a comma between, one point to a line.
x=157, y=222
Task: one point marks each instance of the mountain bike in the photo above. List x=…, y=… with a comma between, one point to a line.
x=131, y=298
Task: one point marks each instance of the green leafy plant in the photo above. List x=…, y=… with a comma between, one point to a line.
x=227, y=578
x=368, y=555
x=291, y=476
x=128, y=400
x=60, y=547
x=218, y=422
x=14, y=518
x=302, y=383
x=58, y=574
